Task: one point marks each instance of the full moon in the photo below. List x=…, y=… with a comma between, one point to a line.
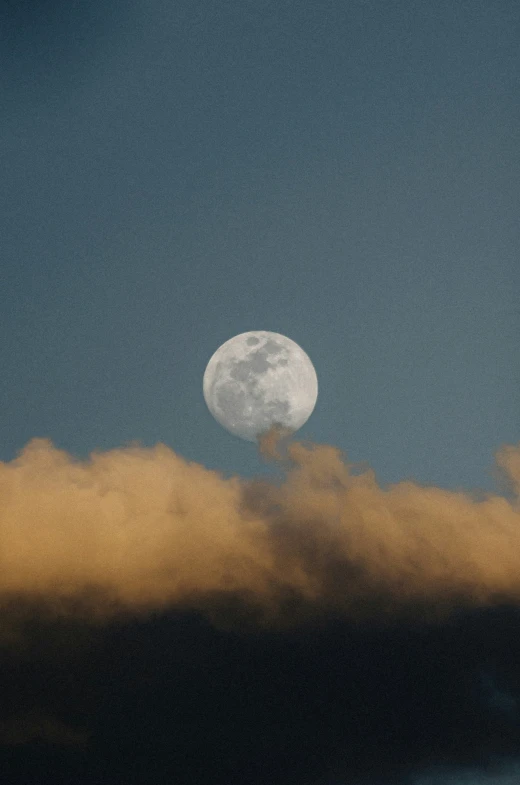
x=259, y=379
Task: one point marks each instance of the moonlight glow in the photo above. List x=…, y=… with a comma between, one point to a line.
x=259, y=379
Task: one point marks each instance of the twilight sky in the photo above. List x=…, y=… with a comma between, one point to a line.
x=175, y=173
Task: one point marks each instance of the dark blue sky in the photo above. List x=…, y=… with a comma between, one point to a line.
x=344, y=173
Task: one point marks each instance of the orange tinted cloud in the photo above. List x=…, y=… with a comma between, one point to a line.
x=142, y=529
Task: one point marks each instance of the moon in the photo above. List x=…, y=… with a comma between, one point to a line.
x=259, y=379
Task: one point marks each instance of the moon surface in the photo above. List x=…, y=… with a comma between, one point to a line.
x=259, y=379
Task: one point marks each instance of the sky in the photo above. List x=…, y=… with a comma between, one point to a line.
x=179, y=605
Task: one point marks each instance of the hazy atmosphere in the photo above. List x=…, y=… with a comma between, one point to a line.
x=179, y=605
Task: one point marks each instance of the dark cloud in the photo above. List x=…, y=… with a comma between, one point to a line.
x=33, y=726
x=174, y=698
x=163, y=624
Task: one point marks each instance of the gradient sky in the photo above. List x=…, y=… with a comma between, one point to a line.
x=344, y=173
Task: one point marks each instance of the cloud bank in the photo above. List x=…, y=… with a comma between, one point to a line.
x=160, y=622
x=141, y=529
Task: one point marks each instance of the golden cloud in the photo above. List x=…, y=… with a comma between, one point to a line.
x=140, y=529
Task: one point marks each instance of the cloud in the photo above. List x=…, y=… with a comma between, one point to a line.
x=499, y=699
x=36, y=725
x=314, y=628
x=499, y=774
x=140, y=529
